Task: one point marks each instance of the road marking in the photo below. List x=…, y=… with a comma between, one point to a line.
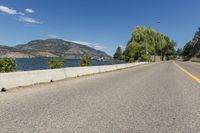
x=188, y=73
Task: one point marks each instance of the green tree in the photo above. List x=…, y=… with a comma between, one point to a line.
x=56, y=63
x=118, y=54
x=148, y=42
x=179, y=51
x=85, y=60
x=131, y=52
x=171, y=52
x=144, y=58
x=7, y=65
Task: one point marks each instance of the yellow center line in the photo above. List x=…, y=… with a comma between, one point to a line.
x=188, y=73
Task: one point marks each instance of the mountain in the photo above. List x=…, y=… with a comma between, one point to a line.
x=52, y=48
x=6, y=51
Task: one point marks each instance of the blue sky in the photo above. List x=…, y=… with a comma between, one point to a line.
x=102, y=24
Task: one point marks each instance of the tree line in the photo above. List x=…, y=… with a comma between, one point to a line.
x=146, y=43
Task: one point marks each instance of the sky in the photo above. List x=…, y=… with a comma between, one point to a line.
x=101, y=24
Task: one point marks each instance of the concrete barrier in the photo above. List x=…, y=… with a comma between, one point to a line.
x=26, y=78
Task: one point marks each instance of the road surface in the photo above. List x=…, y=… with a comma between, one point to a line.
x=156, y=98
x=192, y=67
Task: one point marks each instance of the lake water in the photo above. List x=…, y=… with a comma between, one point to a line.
x=28, y=64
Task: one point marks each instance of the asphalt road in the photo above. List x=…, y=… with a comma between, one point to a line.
x=192, y=67
x=157, y=98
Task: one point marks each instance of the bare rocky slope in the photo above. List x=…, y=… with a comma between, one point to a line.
x=6, y=51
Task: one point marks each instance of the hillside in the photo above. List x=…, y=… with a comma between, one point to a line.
x=195, y=52
x=192, y=48
x=6, y=51
x=52, y=48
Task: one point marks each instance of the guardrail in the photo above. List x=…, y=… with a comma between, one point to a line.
x=19, y=79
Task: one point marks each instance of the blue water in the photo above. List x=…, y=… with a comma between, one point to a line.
x=27, y=64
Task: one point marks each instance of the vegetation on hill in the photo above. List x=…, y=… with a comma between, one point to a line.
x=192, y=48
x=146, y=42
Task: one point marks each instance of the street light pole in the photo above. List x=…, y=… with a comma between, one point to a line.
x=146, y=45
x=146, y=48
x=158, y=22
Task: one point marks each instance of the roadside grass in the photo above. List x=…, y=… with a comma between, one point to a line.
x=195, y=59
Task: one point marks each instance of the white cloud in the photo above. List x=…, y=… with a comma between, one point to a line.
x=99, y=46
x=21, y=16
x=122, y=46
x=83, y=43
x=93, y=45
x=10, y=11
x=96, y=46
x=29, y=20
x=28, y=10
x=52, y=36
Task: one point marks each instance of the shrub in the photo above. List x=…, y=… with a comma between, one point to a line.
x=131, y=60
x=7, y=65
x=56, y=63
x=144, y=58
x=85, y=60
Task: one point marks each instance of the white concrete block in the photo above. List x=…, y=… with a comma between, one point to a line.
x=17, y=79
